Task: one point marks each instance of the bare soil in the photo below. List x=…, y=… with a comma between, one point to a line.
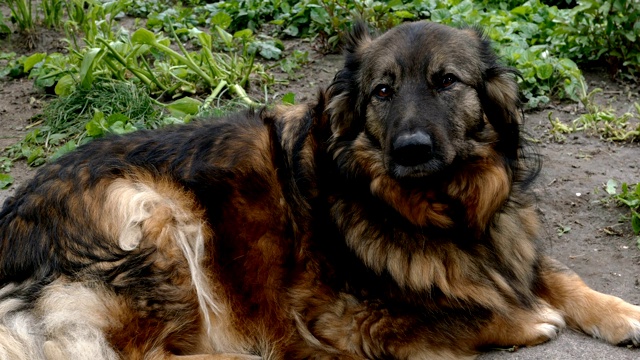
x=597, y=243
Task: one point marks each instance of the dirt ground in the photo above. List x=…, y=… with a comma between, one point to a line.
x=596, y=243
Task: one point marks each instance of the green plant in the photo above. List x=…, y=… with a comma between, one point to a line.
x=628, y=196
x=52, y=11
x=4, y=29
x=562, y=229
x=5, y=181
x=559, y=128
x=68, y=121
x=605, y=122
x=22, y=16
x=294, y=62
x=605, y=31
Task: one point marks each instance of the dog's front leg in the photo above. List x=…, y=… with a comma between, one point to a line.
x=346, y=327
x=602, y=316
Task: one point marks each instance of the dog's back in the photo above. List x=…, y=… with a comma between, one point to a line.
x=105, y=248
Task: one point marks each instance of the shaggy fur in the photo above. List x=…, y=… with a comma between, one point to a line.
x=391, y=219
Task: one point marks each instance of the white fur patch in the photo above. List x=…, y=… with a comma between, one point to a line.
x=19, y=335
x=552, y=322
x=73, y=317
x=132, y=203
x=66, y=323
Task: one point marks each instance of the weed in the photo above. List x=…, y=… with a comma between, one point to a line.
x=4, y=28
x=68, y=121
x=559, y=129
x=52, y=11
x=605, y=122
x=604, y=31
x=561, y=229
x=292, y=63
x=22, y=16
x=628, y=196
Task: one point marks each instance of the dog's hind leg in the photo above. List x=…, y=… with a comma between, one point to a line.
x=602, y=316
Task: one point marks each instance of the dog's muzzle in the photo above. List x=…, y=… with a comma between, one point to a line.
x=412, y=149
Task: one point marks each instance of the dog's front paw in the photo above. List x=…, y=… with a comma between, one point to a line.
x=547, y=324
x=523, y=327
x=615, y=321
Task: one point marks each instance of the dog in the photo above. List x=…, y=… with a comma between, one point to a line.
x=390, y=219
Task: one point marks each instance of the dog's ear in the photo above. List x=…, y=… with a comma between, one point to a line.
x=344, y=108
x=358, y=37
x=500, y=98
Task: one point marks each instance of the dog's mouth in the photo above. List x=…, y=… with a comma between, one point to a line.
x=424, y=170
x=413, y=155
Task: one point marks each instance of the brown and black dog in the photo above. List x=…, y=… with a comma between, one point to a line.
x=391, y=219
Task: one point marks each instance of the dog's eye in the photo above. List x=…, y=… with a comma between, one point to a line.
x=448, y=80
x=383, y=92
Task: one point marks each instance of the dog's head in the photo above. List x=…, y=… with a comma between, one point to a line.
x=422, y=97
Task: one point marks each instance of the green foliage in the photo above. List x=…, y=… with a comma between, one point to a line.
x=294, y=62
x=13, y=66
x=289, y=98
x=68, y=121
x=605, y=122
x=150, y=59
x=604, y=31
x=4, y=28
x=22, y=14
x=52, y=11
x=599, y=121
x=628, y=196
x=5, y=181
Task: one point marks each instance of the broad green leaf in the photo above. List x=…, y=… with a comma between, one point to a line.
x=184, y=106
x=5, y=181
x=395, y=3
x=568, y=64
x=66, y=148
x=120, y=128
x=86, y=68
x=32, y=60
x=441, y=16
x=635, y=223
x=243, y=34
x=319, y=15
x=143, y=36
x=35, y=156
x=289, y=98
x=65, y=85
x=544, y=71
x=403, y=14
x=120, y=47
x=96, y=126
x=221, y=19
x=630, y=35
x=291, y=30
x=225, y=36
x=464, y=7
x=205, y=39
x=521, y=10
x=117, y=117
x=269, y=51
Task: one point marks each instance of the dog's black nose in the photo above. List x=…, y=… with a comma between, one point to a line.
x=411, y=149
